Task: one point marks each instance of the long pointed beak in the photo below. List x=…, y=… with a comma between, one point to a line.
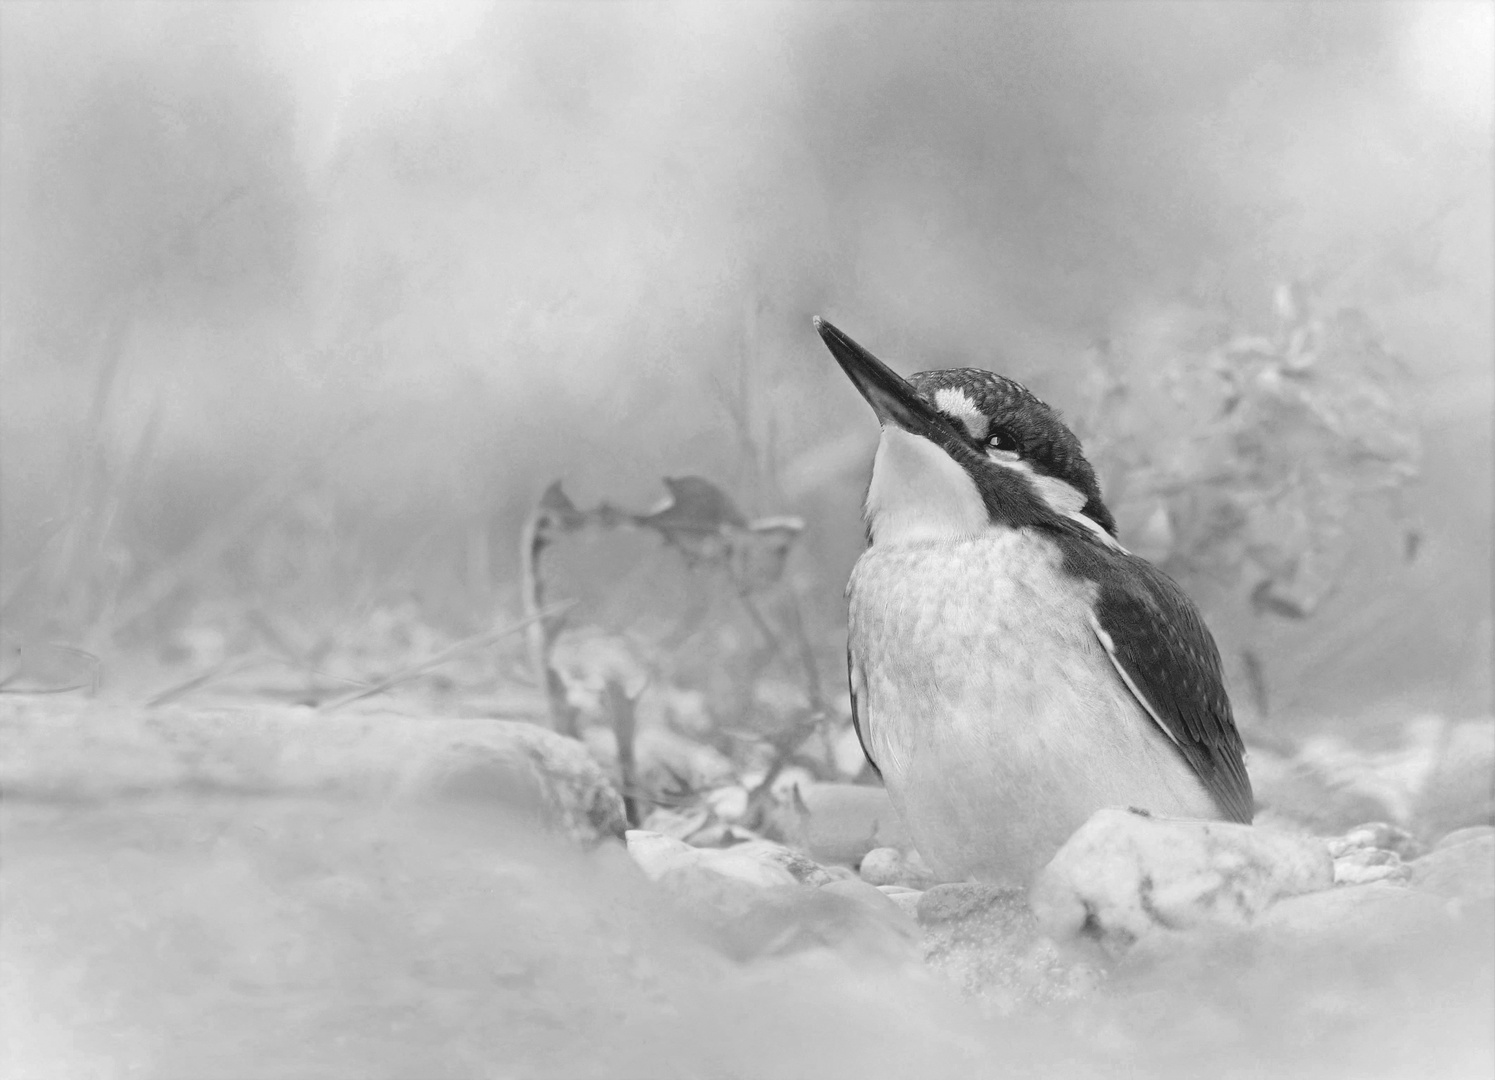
x=889, y=394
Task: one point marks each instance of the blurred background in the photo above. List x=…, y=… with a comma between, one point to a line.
x=305, y=305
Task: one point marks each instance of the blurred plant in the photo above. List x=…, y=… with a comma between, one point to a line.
x=702, y=523
x=1274, y=443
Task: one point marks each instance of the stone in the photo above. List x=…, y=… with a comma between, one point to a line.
x=680, y=822
x=762, y=864
x=800, y=867
x=890, y=866
x=985, y=940
x=1125, y=874
x=1378, y=835
x=958, y=903
x=1374, y=851
x=1463, y=870
x=840, y=823
x=658, y=854
x=1361, y=866
x=747, y=866
x=718, y=835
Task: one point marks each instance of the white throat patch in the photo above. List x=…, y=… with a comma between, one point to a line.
x=919, y=493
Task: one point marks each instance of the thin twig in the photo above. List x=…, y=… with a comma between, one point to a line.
x=229, y=666
x=415, y=670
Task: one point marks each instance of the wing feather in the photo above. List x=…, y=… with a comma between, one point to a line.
x=858, y=706
x=1159, y=645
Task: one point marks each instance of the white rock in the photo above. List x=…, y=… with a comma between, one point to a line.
x=800, y=867
x=682, y=823
x=1377, y=835
x=751, y=867
x=658, y=854
x=761, y=863
x=1125, y=874
x=1362, y=866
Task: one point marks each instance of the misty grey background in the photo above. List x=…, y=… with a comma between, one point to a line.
x=446, y=254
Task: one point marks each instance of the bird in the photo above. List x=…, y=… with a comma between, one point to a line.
x=1012, y=667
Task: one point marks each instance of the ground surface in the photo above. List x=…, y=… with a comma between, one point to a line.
x=183, y=902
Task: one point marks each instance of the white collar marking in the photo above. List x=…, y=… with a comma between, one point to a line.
x=1062, y=498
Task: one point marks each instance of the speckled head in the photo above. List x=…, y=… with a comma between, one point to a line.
x=965, y=449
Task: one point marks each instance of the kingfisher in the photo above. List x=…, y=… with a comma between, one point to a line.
x=1012, y=667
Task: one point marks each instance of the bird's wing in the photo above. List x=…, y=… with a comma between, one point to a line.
x=1165, y=655
x=857, y=687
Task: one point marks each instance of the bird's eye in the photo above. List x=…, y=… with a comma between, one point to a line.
x=1001, y=440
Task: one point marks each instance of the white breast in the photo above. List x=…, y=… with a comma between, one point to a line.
x=996, y=719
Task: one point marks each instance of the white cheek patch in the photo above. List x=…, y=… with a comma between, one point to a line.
x=919, y=493
x=958, y=405
x=1063, y=499
x=1060, y=497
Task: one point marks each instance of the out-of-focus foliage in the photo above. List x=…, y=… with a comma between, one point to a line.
x=1243, y=459
x=303, y=303
x=760, y=693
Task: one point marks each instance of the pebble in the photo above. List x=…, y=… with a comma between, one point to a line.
x=890, y=866
x=1378, y=835
x=1362, y=866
